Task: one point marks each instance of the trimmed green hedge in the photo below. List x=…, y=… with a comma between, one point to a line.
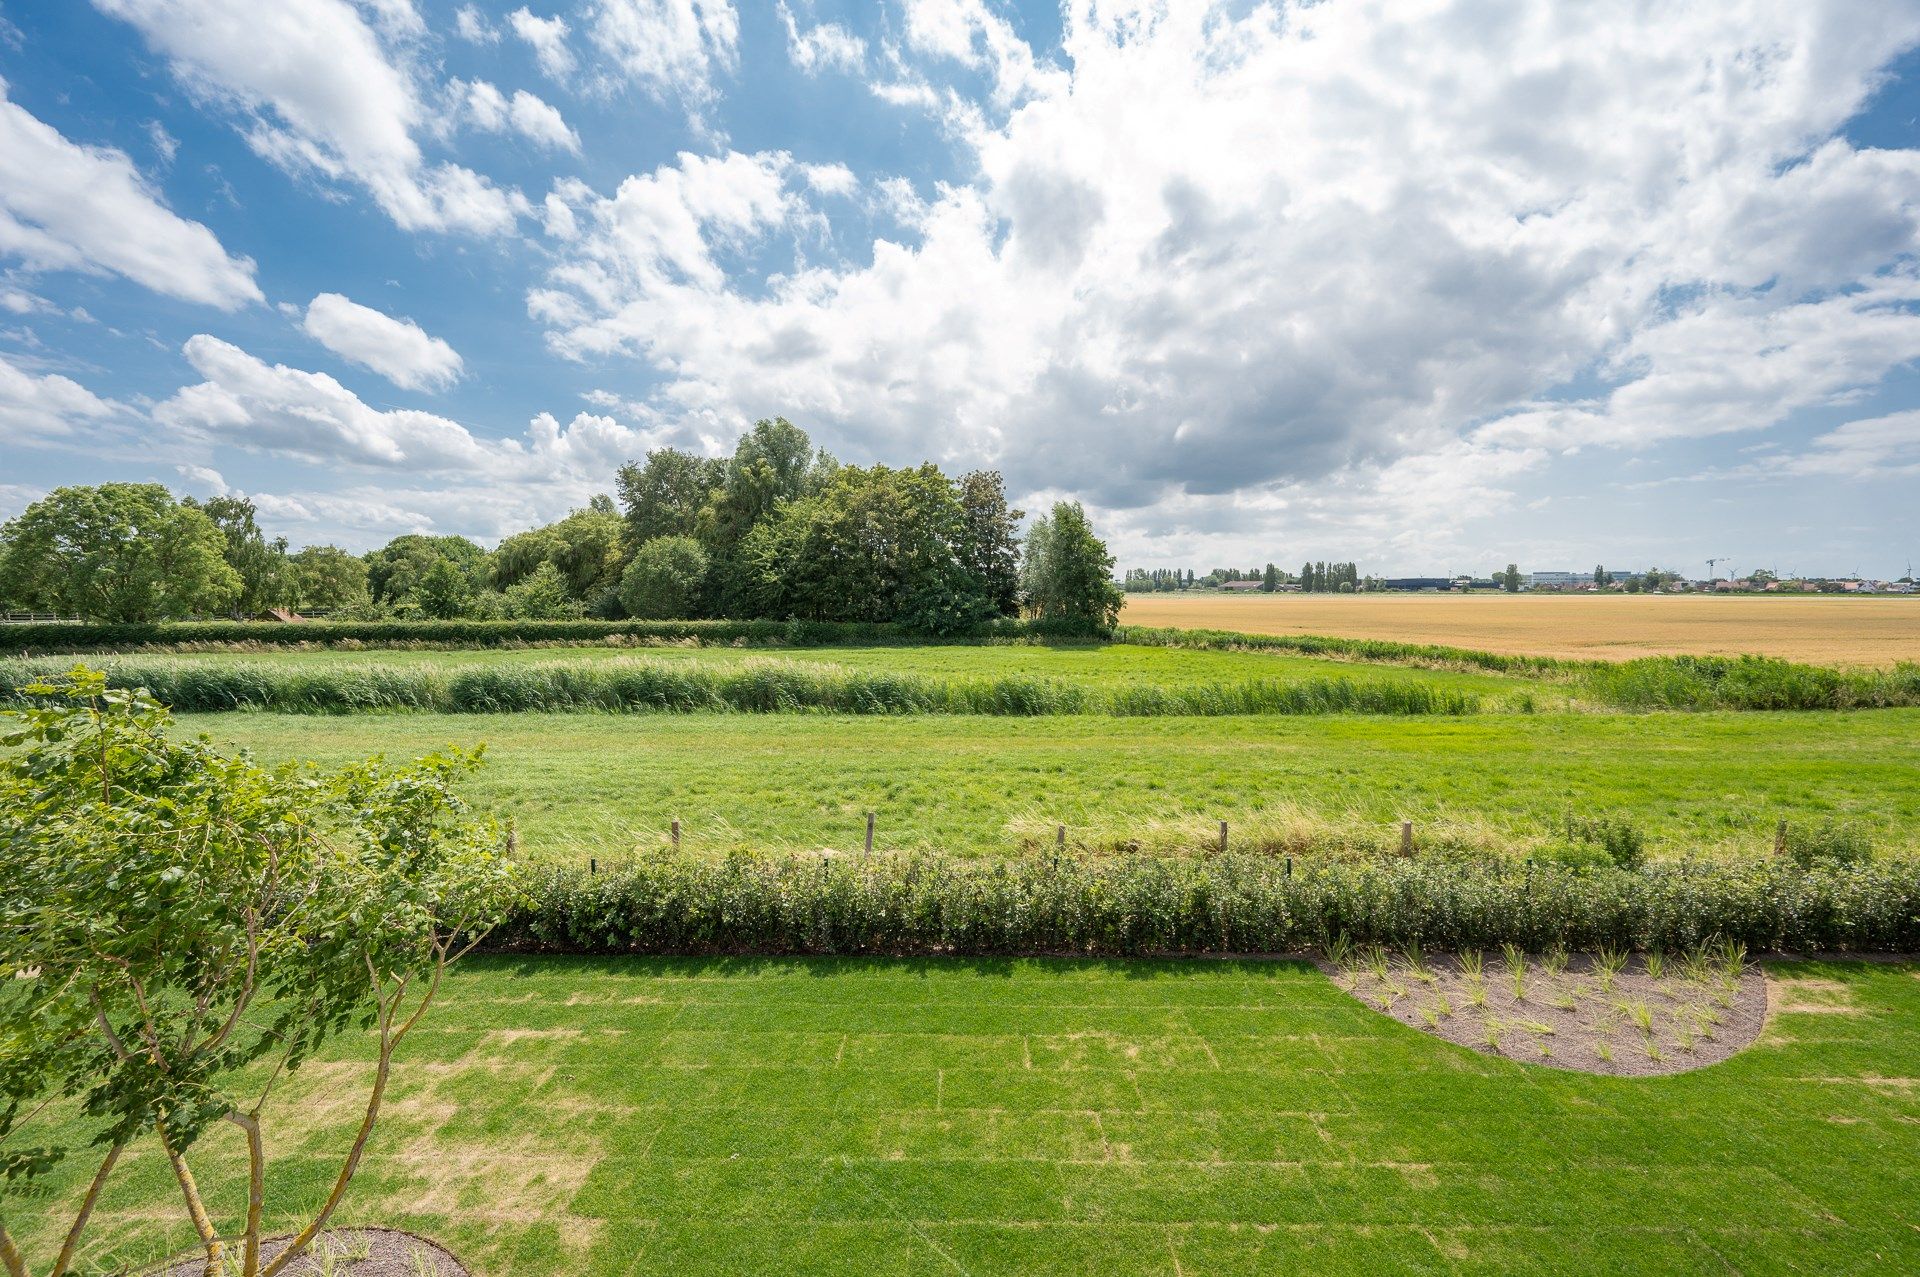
x=753, y=686
x=74, y=637
x=840, y=904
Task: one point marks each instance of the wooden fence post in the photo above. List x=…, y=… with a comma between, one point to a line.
x=676, y=833
x=593, y=865
x=1223, y=837
x=869, y=833
x=1406, y=837
x=1060, y=838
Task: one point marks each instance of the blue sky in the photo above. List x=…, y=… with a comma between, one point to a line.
x=1431, y=286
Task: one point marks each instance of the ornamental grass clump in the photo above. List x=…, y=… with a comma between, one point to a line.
x=180, y=929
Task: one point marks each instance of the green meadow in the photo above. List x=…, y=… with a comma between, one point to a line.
x=583, y=785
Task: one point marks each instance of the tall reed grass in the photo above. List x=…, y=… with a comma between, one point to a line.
x=754, y=686
x=1652, y=682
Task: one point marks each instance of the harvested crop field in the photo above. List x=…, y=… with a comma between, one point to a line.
x=1824, y=630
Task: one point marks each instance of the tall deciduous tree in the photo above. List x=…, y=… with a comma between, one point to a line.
x=119, y=552
x=325, y=577
x=990, y=549
x=664, y=497
x=395, y=570
x=542, y=595
x=444, y=591
x=1069, y=572
x=584, y=548
x=265, y=581
x=874, y=544
x=665, y=579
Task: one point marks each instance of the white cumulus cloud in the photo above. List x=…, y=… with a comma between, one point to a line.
x=472, y=26
x=320, y=91
x=65, y=206
x=547, y=37
x=1230, y=267
x=670, y=48
x=43, y=407
x=822, y=47
x=397, y=349
x=493, y=112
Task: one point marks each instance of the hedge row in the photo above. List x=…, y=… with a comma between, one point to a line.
x=753, y=686
x=839, y=904
x=75, y=637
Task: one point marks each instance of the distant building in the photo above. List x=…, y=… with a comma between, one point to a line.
x=1556, y=580
x=1240, y=587
x=1417, y=583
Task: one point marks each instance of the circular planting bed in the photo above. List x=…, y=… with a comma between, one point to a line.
x=350, y=1252
x=1600, y=1013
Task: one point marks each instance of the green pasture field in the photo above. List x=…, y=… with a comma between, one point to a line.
x=1101, y=665
x=605, y=785
x=871, y=1117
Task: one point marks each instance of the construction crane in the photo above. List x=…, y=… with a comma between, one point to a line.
x=1710, y=565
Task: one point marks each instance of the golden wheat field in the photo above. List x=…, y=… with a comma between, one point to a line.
x=1822, y=629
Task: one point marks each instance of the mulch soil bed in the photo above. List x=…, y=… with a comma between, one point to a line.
x=1572, y=1012
x=354, y=1252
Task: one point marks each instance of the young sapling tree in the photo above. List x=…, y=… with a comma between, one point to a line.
x=184, y=929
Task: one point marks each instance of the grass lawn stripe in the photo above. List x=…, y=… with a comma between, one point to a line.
x=873, y=1116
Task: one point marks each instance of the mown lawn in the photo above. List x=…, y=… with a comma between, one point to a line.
x=563, y=1116
x=584, y=784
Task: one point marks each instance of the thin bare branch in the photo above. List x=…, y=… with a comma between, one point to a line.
x=306, y=1235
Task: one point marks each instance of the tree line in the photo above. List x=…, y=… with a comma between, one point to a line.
x=1313, y=578
x=778, y=530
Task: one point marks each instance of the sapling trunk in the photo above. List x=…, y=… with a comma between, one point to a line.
x=256, y=1189
x=10, y=1256
x=215, y=1245
x=64, y=1260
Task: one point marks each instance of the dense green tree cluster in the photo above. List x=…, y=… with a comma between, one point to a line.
x=779, y=531
x=117, y=552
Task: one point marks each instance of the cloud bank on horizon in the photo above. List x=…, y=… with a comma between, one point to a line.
x=1432, y=285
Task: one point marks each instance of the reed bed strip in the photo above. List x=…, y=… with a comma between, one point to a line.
x=752, y=686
